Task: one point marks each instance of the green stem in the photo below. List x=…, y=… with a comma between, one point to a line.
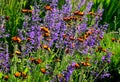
x=81, y=75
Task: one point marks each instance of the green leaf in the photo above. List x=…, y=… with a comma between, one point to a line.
x=26, y=70
x=31, y=7
x=1, y=74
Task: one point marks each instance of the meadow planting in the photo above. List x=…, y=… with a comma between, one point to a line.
x=59, y=41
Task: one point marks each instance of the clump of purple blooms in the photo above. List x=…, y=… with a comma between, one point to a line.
x=58, y=27
x=107, y=57
x=54, y=21
x=4, y=54
x=63, y=35
x=65, y=74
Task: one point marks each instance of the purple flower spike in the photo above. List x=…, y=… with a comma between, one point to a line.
x=105, y=75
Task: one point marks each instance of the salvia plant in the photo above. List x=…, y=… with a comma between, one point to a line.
x=62, y=46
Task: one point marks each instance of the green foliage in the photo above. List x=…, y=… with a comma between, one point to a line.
x=60, y=3
x=12, y=10
x=111, y=9
x=115, y=48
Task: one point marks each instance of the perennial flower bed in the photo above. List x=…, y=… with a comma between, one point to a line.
x=62, y=46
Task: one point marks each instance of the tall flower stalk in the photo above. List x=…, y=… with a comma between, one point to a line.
x=4, y=53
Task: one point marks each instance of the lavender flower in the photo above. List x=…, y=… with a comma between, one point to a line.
x=31, y=29
x=89, y=6
x=3, y=33
x=54, y=21
x=107, y=57
x=4, y=55
x=81, y=3
x=105, y=75
x=66, y=74
x=4, y=58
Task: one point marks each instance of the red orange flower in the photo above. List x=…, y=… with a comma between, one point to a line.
x=48, y=7
x=43, y=70
x=16, y=39
x=26, y=11
x=17, y=74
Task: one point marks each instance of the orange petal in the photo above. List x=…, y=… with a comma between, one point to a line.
x=43, y=70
